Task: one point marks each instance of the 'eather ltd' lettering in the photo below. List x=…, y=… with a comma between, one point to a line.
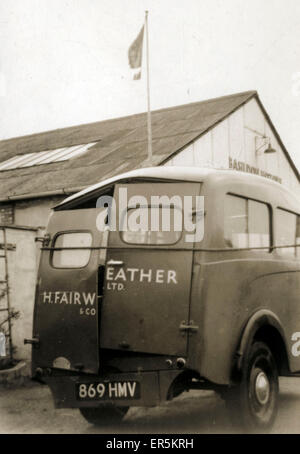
x=141, y=275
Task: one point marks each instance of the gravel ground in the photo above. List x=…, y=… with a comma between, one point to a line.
x=29, y=410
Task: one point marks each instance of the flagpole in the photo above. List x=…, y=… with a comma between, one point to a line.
x=149, y=126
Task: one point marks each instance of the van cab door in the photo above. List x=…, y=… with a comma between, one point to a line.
x=148, y=277
x=66, y=309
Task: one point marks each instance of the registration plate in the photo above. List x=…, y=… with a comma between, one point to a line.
x=108, y=390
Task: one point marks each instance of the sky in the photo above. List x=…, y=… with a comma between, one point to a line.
x=65, y=62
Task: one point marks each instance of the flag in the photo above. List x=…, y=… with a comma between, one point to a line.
x=135, y=53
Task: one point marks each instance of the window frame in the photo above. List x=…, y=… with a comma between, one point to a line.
x=268, y=249
x=296, y=254
x=121, y=232
x=63, y=232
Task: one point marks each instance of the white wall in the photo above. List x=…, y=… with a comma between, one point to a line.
x=23, y=265
x=22, y=271
x=235, y=137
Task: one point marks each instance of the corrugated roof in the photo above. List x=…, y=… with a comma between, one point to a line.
x=120, y=145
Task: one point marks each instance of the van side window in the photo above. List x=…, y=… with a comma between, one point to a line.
x=286, y=232
x=259, y=224
x=236, y=222
x=246, y=223
x=72, y=258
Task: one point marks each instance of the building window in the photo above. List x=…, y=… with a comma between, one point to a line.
x=288, y=232
x=246, y=223
x=45, y=157
x=7, y=214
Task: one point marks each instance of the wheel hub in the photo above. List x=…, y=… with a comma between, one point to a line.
x=262, y=388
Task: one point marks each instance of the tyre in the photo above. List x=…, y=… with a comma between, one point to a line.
x=104, y=415
x=253, y=403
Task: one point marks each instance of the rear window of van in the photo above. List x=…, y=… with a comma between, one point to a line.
x=152, y=226
x=72, y=258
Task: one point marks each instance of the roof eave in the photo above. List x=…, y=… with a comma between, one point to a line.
x=45, y=194
x=275, y=132
x=252, y=94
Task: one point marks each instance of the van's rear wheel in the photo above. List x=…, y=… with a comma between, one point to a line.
x=253, y=403
x=104, y=415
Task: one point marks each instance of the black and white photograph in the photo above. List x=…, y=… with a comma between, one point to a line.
x=149, y=219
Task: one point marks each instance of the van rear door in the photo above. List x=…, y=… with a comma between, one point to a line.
x=66, y=309
x=148, y=278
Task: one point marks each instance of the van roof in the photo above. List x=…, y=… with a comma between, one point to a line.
x=196, y=174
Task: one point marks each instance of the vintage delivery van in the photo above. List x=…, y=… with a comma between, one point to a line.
x=135, y=315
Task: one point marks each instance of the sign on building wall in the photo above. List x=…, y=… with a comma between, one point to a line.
x=244, y=167
x=239, y=142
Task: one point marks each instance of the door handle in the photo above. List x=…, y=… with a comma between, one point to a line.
x=34, y=341
x=115, y=262
x=188, y=327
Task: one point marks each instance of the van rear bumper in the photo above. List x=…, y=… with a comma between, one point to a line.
x=152, y=386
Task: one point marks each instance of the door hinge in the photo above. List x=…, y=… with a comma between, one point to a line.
x=190, y=327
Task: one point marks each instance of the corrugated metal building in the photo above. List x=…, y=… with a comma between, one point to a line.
x=38, y=171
